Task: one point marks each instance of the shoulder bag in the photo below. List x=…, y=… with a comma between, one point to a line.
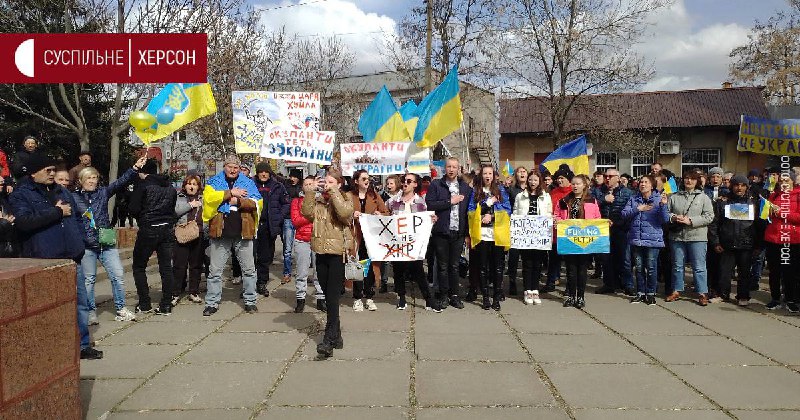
x=189, y=231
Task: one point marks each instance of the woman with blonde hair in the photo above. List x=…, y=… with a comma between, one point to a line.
x=92, y=205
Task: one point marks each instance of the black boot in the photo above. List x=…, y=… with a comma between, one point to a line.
x=472, y=296
x=301, y=304
x=512, y=288
x=321, y=305
x=325, y=349
x=496, y=304
x=486, y=304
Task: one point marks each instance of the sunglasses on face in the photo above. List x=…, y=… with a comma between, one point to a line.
x=409, y=180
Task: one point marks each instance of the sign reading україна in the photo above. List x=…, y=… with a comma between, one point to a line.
x=769, y=137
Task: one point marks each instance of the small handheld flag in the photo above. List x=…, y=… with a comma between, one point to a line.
x=573, y=154
x=670, y=187
x=763, y=209
x=507, y=170
x=89, y=214
x=366, y=264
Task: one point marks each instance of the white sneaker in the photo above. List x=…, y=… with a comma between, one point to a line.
x=93, y=318
x=358, y=305
x=195, y=299
x=125, y=314
x=528, y=297
x=175, y=300
x=744, y=302
x=535, y=297
x=236, y=280
x=371, y=305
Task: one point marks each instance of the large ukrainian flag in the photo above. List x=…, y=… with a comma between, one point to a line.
x=381, y=121
x=189, y=101
x=573, y=154
x=440, y=112
x=409, y=113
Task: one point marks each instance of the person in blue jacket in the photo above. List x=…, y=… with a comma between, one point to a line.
x=646, y=212
x=49, y=227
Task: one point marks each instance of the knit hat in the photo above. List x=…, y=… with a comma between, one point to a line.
x=563, y=170
x=739, y=179
x=754, y=172
x=233, y=159
x=296, y=173
x=150, y=167
x=715, y=171
x=263, y=167
x=35, y=163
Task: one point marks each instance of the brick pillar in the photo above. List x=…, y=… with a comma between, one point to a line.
x=39, y=341
x=126, y=237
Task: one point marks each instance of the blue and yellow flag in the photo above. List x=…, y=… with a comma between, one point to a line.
x=409, y=113
x=763, y=209
x=89, y=214
x=771, y=182
x=185, y=101
x=573, y=154
x=670, y=187
x=583, y=236
x=507, y=170
x=381, y=121
x=440, y=112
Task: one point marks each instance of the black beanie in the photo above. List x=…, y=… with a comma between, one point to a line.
x=150, y=167
x=35, y=163
x=263, y=167
x=563, y=170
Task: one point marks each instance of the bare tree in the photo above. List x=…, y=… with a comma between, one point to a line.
x=772, y=57
x=563, y=50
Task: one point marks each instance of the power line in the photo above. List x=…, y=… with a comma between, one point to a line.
x=292, y=5
x=344, y=33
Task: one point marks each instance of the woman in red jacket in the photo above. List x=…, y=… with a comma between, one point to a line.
x=782, y=239
x=304, y=257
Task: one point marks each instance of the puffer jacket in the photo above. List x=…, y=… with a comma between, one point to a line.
x=646, y=227
x=736, y=234
x=785, y=226
x=331, y=219
x=276, y=206
x=98, y=201
x=700, y=210
x=153, y=201
x=523, y=201
x=613, y=210
x=302, y=226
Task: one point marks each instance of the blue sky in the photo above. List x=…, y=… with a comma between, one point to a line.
x=688, y=45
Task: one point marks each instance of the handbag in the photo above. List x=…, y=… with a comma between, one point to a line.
x=353, y=269
x=107, y=237
x=187, y=232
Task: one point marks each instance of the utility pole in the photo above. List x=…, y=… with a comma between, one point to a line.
x=428, y=47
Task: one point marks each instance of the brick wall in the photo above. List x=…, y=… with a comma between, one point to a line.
x=39, y=342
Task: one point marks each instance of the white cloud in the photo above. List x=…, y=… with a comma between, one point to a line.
x=362, y=32
x=688, y=59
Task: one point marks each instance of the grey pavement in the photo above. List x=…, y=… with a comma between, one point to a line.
x=612, y=360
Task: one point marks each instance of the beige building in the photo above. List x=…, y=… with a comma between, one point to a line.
x=680, y=129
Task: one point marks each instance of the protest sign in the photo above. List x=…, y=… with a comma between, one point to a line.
x=376, y=158
x=770, y=137
x=256, y=113
x=402, y=237
x=440, y=167
x=419, y=161
x=740, y=211
x=531, y=232
x=580, y=236
x=299, y=145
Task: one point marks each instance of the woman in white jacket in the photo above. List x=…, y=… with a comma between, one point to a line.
x=533, y=200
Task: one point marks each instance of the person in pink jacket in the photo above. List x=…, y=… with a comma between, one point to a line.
x=579, y=204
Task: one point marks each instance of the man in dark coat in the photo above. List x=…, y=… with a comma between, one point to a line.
x=612, y=198
x=49, y=228
x=277, y=206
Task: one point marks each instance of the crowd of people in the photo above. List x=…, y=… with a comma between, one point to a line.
x=714, y=221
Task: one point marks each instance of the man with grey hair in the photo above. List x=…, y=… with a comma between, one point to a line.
x=714, y=187
x=612, y=198
x=726, y=179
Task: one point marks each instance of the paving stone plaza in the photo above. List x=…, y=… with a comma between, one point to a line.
x=613, y=360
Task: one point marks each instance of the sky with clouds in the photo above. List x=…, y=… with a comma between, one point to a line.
x=688, y=43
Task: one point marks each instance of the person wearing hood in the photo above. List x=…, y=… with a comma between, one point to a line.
x=736, y=234
x=92, y=204
x=271, y=223
x=562, y=181
x=9, y=247
x=153, y=206
x=782, y=237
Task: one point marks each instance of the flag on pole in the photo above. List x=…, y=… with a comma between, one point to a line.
x=440, y=112
x=186, y=102
x=573, y=154
x=409, y=113
x=507, y=170
x=381, y=121
x=670, y=187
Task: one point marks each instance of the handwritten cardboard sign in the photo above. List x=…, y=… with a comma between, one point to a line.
x=402, y=237
x=531, y=232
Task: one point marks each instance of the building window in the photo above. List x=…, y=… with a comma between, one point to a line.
x=605, y=160
x=640, y=163
x=704, y=159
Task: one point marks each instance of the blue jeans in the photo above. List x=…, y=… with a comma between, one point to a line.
x=646, y=261
x=287, y=237
x=756, y=269
x=697, y=257
x=219, y=252
x=109, y=257
x=83, y=309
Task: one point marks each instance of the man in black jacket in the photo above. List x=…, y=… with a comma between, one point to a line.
x=449, y=198
x=271, y=223
x=153, y=205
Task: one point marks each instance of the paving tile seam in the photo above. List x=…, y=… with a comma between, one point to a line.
x=794, y=369
x=662, y=365
x=413, y=402
x=543, y=376
x=462, y=406
x=174, y=360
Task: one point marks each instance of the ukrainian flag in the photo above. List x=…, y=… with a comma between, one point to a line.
x=670, y=187
x=409, y=113
x=573, y=154
x=763, y=209
x=507, y=169
x=381, y=121
x=189, y=101
x=440, y=112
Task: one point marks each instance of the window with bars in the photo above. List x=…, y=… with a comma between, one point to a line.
x=605, y=160
x=641, y=162
x=704, y=159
